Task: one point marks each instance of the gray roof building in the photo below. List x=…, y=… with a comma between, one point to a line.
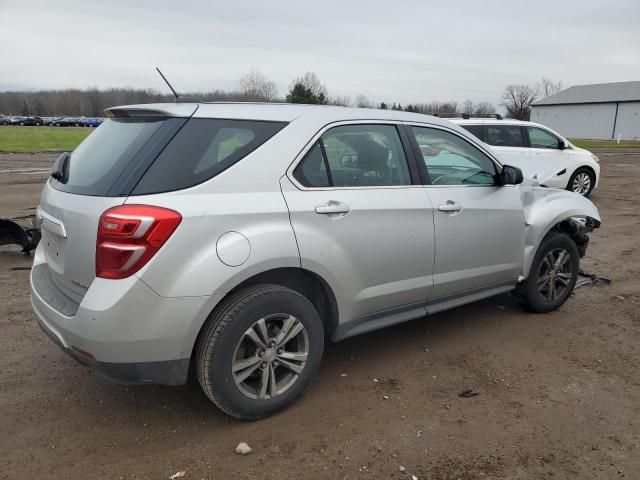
x=601, y=111
x=597, y=93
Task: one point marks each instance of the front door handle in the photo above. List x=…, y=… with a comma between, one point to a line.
x=450, y=207
x=332, y=207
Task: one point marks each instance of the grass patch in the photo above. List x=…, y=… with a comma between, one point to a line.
x=605, y=143
x=41, y=139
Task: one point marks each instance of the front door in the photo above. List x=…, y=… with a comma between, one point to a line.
x=479, y=224
x=360, y=221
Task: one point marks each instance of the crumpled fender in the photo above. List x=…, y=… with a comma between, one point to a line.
x=543, y=209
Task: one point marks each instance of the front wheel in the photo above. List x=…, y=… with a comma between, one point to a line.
x=582, y=182
x=552, y=276
x=259, y=351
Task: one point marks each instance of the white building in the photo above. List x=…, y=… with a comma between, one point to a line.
x=601, y=111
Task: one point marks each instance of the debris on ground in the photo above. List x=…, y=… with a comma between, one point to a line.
x=15, y=269
x=401, y=468
x=419, y=434
x=467, y=393
x=12, y=232
x=243, y=449
x=180, y=474
x=589, y=279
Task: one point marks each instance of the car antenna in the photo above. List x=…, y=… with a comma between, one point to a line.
x=178, y=98
x=168, y=84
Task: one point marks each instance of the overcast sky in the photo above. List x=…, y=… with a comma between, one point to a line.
x=406, y=51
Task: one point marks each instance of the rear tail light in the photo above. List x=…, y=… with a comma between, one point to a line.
x=129, y=236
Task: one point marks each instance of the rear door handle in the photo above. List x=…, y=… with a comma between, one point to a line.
x=450, y=207
x=333, y=207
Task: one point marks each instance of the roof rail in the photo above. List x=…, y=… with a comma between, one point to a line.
x=466, y=116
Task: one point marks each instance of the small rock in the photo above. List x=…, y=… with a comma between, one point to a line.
x=401, y=468
x=502, y=307
x=385, y=397
x=419, y=434
x=243, y=449
x=343, y=374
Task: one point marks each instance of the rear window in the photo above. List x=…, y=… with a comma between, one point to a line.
x=99, y=160
x=201, y=150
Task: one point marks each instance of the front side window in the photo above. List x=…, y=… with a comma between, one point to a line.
x=355, y=156
x=451, y=160
x=505, y=136
x=540, y=138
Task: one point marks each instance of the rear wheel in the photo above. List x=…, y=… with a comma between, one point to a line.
x=259, y=351
x=552, y=276
x=582, y=182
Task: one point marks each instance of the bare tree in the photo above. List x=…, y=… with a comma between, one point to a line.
x=311, y=81
x=517, y=99
x=468, y=108
x=256, y=86
x=340, y=101
x=363, y=102
x=547, y=87
x=484, y=108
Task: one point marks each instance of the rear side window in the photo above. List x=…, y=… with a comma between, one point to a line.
x=100, y=159
x=475, y=130
x=202, y=149
x=355, y=156
x=505, y=136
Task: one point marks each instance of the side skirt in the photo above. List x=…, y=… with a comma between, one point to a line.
x=386, y=318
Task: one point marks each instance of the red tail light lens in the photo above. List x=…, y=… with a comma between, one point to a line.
x=129, y=235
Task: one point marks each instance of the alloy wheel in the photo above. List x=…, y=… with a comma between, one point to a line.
x=270, y=356
x=581, y=183
x=554, y=274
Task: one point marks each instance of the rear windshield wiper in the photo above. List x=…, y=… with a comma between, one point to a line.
x=60, y=168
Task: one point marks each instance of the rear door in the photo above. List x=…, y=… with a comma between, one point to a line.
x=479, y=224
x=360, y=220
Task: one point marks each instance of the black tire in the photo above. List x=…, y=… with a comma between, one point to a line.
x=528, y=292
x=582, y=171
x=225, y=329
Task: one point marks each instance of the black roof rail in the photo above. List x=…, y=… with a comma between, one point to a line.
x=466, y=116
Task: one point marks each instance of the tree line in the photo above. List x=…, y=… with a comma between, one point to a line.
x=255, y=86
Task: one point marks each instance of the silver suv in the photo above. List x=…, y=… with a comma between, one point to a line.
x=226, y=242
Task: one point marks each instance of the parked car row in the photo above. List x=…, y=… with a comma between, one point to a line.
x=51, y=121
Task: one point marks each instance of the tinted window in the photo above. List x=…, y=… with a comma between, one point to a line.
x=100, y=159
x=540, y=138
x=451, y=160
x=311, y=172
x=475, y=130
x=357, y=156
x=505, y=136
x=201, y=150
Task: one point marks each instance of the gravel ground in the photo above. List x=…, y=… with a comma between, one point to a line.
x=559, y=394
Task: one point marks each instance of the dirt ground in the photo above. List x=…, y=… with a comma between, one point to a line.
x=559, y=394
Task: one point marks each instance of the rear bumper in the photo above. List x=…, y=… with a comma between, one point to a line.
x=132, y=334
x=170, y=372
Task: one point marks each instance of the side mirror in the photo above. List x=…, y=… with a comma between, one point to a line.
x=511, y=175
x=562, y=145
